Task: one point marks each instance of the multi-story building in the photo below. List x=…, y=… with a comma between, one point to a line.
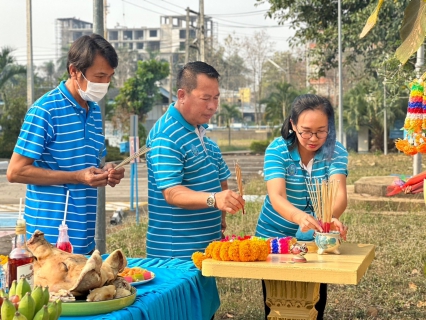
x=169, y=37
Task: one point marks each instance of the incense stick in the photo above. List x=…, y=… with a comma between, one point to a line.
x=141, y=152
x=323, y=198
x=239, y=180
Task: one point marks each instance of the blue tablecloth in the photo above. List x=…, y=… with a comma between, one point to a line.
x=178, y=292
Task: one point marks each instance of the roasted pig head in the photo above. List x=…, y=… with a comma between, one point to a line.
x=74, y=272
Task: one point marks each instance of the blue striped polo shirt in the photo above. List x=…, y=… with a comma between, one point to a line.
x=280, y=162
x=179, y=156
x=59, y=135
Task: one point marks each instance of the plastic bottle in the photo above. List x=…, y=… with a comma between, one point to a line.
x=63, y=242
x=20, y=259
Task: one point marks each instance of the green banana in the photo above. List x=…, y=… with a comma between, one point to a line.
x=22, y=287
x=52, y=308
x=59, y=306
x=3, y=293
x=12, y=290
x=27, y=306
x=46, y=295
x=42, y=314
x=19, y=316
x=7, y=310
x=38, y=297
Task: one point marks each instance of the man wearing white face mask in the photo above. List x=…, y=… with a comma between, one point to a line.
x=61, y=144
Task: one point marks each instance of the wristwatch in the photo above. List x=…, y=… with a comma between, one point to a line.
x=211, y=201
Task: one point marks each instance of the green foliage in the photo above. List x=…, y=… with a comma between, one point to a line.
x=322, y=29
x=279, y=102
x=259, y=146
x=113, y=154
x=140, y=92
x=8, y=66
x=15, y=107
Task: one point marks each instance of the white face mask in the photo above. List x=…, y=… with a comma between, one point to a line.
x=94, y=91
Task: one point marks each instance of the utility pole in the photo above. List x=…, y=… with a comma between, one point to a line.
x=202, y=35
x=417, y=158
x=30, y=71
x=339, y=18
x=187, y=36
x=100, y=231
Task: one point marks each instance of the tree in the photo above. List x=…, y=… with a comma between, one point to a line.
x=228, y=113
x=321, y=29
x=140, y=92
x=363, y=107
x=279, y=102
x=256, y=51
x=8, y=66
x=412, y=31
x=15, y=107
x=48, y=69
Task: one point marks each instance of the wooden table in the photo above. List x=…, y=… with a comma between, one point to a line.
x=292, y=289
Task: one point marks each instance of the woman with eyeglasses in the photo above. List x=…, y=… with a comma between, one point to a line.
x=307, y=149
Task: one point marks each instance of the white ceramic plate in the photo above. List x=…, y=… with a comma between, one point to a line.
x=143, y=281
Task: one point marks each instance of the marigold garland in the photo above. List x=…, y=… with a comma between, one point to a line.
x=234, y=249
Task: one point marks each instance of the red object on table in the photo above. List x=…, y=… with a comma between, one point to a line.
x=63, y=242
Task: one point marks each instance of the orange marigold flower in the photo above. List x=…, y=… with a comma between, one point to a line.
x=224, y=251
x=245, y=251
x=197, y=258
x=234, y=250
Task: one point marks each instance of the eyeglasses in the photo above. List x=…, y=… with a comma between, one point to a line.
x=309, y=134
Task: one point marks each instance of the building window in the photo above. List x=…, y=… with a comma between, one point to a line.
x=77, y=35
x=139, y=35
x=113, y=35
x=153, y=45
x=139, y=45
x=152, y=33
x=131, y=46
x=192, y=33
x=182, y=34
x=127, y=35
x=182, y=46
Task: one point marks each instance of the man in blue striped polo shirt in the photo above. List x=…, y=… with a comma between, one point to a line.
x=188, y=194
x=187, y=176
x=61, y=145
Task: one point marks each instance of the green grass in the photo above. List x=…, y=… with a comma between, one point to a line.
x=394, y=286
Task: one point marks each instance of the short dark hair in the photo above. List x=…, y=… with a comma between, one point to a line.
x=310, y=102
x=83, y=51
x=187, y=76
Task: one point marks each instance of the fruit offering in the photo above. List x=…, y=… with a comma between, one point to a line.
x=136, y=274
x=22, y=303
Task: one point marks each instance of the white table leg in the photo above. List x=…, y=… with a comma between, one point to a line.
x=291, y=300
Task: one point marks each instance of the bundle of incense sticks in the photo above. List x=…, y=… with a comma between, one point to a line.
x=323, y=196
x=239, y=180
x=137, y=154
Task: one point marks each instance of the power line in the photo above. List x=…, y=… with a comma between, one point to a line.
x=238, y=14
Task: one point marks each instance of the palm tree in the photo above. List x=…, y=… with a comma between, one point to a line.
x=49, y=71
x=229, y=112
x=8, y=66
x=363, y=107
x=279, y=102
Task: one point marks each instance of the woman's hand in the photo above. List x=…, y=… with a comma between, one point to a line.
x=337, y=225
x=307, y=222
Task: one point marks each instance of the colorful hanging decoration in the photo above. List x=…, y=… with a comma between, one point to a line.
x=415, y=122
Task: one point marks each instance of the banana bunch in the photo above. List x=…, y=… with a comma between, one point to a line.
x=23, y=304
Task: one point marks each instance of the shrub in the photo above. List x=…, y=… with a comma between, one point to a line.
x=113, y=154
x=259, y=146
